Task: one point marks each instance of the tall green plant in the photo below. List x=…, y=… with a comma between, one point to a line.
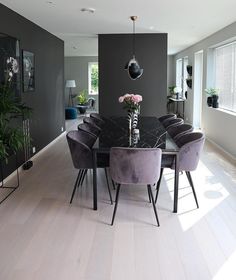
x=12, y=138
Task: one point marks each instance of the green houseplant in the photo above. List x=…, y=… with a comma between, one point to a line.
x=82, y=101
x=12, y=138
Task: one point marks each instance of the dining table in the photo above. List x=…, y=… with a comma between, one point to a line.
x=150, y=133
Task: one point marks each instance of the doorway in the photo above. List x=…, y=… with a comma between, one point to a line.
x=197, y=96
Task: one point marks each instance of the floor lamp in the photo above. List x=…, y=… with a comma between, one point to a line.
x=70, y=84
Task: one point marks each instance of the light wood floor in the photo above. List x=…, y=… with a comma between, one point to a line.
x=43, y=237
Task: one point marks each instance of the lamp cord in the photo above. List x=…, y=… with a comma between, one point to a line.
x=134, y=38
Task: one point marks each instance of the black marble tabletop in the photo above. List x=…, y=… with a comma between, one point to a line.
x=115, y=133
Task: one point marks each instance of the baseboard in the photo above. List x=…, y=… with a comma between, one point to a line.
x=48, y=146
x=20, y=169
x=222, y=151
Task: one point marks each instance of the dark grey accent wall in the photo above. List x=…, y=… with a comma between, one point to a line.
x=114, y=52
x=48, y=99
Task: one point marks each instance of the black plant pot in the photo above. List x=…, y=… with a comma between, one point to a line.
x=209, y=101
x=189, y=83
x=189, y=70
x=82, y=109
x=215, y=103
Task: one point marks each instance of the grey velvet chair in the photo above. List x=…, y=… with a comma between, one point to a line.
x=87, y=127
x=177, y=131
x=92, y=121
x=191, y=145
x=80, y=144
x=135, y=166
x=168, y=116
x=97, y=117
x=172, y=122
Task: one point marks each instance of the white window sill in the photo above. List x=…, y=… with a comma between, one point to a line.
x=225, y=111
x=96, y=93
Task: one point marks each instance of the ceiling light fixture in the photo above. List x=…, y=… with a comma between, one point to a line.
x=49, y=2
x=134, y=70
x=88, y=10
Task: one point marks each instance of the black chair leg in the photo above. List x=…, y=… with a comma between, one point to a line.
x=116, y=204
x=83, y=176
x=108, y=186
x=153, y=204
x=113, y=184
x=192, y=186
x=158, y=184
x=76, y=183
x=149, y=196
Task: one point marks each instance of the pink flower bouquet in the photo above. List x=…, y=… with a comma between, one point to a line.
x=131, y=101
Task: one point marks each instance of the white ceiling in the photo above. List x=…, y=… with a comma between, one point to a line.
x=185, y=21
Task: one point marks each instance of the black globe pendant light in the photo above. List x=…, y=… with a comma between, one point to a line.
x=133, y=68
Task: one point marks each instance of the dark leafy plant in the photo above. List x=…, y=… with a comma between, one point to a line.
x=12, y=138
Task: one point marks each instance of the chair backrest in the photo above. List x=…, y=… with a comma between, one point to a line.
x=97, y=119
x=80, y=144
x=135, y=166
x=191, y=145
x=168, y=116
x=89, y=128
x=92, y=122
x=176, y=131
x=172, y=122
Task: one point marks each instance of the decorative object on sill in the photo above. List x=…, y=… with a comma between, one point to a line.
x=28, y=71
x=82, y=99
x=71, y=84
x=12, y=110
x=189, y=82
x=212, y=99
x=215, y=103
x=189, y=69
x=133, y=68
x=132, y=105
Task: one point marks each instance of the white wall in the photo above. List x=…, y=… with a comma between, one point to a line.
x=218, y=125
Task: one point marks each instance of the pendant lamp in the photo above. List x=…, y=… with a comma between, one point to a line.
x=133, y=68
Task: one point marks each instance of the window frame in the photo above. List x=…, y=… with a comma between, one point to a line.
x=89, y=78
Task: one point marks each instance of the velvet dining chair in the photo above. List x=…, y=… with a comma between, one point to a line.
x=80, y=144
x=168, y=116
x=177, y=131
x=88, y=127
x=134, y=166
x=97, y=117
x=172, y=122
x=191, y=145
x=93, y=122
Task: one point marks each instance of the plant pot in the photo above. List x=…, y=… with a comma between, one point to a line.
x=82, y=108
x=189, y=69
x=209, y=101
x=215, y=103
x=189, y=83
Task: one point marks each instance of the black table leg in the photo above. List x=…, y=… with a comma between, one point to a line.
x=95, y=201
x=176, y=184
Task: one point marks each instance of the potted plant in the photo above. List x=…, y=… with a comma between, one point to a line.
x=82, y=101
x=212, y=99
x=12, y=138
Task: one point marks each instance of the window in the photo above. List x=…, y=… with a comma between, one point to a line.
x=179, y=70
x=182, y=74
x=225, y=76
x=93, y=78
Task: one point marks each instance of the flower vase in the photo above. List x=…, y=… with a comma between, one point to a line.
x=133, y=120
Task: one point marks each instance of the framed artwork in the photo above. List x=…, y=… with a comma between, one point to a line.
x=28, y=71
x=10, y=62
